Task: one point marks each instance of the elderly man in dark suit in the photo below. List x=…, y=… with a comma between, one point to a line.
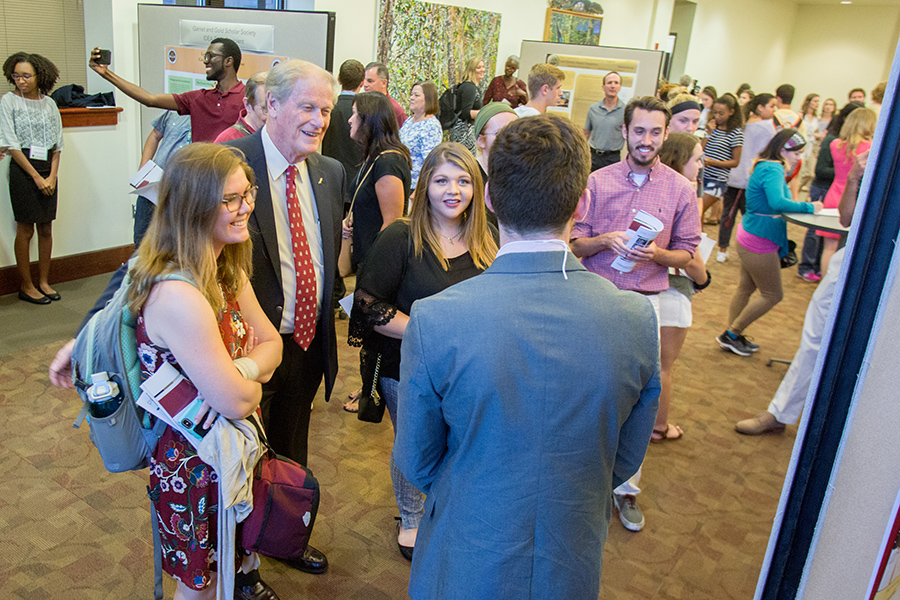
x=296, y=230
x=526, y=393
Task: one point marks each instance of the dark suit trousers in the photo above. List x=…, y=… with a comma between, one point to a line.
x=288, y=396
x=604, y=159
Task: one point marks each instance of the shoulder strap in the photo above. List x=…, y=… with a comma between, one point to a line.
x=242, y=129
x=369, y=170
x=177, y=276
x=157, y=554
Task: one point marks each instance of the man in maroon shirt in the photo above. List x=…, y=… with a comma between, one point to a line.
x=253, y=115
x=212, y=110
x=377, y=81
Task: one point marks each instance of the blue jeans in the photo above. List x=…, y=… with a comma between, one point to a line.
x=409, y=499
x=143, y=214
x=811, y=256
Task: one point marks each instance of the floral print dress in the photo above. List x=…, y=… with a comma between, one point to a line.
x=183, y=488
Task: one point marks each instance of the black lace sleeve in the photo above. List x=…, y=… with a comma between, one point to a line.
x=379, y=281
x=367, y=313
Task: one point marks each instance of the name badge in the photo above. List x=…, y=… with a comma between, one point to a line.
x=38, y=153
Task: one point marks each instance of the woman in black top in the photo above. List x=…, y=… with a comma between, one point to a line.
x=383, y=183
x=468, y=103
x=444, y=241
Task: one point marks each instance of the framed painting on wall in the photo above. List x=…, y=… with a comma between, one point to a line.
x=569, y=27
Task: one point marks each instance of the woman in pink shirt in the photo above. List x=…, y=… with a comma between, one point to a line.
x=856, y=138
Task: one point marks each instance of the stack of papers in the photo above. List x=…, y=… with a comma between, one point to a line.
x=146, y=181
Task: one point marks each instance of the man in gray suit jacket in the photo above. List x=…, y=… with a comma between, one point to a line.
x=526, y=394
x=300, y=100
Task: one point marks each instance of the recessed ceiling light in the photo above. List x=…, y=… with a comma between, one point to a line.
x=846, y=2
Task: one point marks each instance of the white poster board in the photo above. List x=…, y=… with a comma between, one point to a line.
x=173, y=38
x=585, y=67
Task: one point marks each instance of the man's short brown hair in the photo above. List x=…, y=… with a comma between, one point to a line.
x=543, y=74
x=538, y=169
x=648, y=103
x=351, y=74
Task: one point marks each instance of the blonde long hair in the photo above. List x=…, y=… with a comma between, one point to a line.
x=859, y=127
x=479, y=241
x=180, y=235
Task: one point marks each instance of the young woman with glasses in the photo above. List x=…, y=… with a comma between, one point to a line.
x=214, y=331
x=30, y=126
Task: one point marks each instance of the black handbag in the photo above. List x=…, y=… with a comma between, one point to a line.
x=790, y=259
x=371, y=404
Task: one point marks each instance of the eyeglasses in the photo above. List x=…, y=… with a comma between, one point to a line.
x=208, y=57
x=26, y=77
x=233, y=202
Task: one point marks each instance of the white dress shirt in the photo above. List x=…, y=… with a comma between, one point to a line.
x=277, y=165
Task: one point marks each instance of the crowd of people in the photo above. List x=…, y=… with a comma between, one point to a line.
x=275, y=190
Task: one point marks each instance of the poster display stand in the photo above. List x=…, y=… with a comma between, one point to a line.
x=585, y=67
x=172, y=39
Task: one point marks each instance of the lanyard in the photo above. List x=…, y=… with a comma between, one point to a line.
x=28, y=109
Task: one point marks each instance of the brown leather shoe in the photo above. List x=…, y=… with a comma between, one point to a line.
x=764, y=422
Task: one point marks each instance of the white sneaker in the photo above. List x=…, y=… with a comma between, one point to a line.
x=629, y=512
x=722, y=256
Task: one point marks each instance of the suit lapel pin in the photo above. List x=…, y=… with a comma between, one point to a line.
x=320, y=180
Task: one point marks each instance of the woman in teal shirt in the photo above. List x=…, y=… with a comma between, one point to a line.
x=762, y=238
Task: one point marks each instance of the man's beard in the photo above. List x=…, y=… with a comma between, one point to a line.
x=638, y=158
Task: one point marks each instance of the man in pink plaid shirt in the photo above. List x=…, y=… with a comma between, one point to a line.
x=618, y=193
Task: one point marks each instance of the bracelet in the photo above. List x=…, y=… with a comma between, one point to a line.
x=247, y=367
x=700, y=288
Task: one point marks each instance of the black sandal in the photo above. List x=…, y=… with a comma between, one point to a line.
x=406, y=551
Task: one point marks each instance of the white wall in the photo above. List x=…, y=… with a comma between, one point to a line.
x=627, y=23
x=836, y=48
x=819, y=49
x=735, y=42
x=635, y=23
x=96, y=163
x=682, y=25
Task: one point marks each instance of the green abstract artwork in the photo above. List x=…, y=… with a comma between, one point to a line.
x=427, y=41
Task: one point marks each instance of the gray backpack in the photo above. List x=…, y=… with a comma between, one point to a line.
x=107, y=374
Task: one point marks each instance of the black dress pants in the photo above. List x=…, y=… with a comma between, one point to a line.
x=600, y=160
x=287, y=397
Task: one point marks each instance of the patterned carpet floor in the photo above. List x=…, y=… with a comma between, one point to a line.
x=69, y=529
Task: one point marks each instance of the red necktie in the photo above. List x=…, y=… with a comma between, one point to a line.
x=305, y=306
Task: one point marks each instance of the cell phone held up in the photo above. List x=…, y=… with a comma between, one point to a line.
x=104, y=57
